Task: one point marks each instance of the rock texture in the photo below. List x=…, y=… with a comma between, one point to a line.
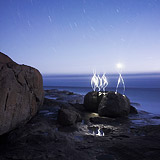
x=96, y=138
x=114, y=105
x=68, y=117
x=91, y=101
x=21, y=93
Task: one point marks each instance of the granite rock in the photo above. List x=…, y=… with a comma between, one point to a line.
x=21, y=93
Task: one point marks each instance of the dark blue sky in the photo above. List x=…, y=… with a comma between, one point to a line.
x=77, y=36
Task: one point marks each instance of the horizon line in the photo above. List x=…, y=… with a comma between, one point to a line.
x=124, y=73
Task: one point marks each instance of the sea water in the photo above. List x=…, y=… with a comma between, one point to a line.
x=143, y=90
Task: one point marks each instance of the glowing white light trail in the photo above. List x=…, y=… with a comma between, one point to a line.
x=120, y=79
x=99, y=82
x=94, y=81
x=104, y=82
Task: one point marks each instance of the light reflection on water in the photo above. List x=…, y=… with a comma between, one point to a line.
x=96, y=130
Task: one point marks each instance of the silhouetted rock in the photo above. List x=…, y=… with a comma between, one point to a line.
x=67, y=117
x=21, y=93
x=133, y=110
x=114, y=105
x=92, y=100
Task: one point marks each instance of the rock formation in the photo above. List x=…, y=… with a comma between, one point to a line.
x=67, y=117
x=21, y=93
x=109, y=104
x=114, y=105
x=91, y=101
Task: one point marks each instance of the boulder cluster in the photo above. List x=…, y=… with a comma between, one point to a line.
x=108, y=104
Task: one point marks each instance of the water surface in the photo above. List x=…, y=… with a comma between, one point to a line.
x=142, y=89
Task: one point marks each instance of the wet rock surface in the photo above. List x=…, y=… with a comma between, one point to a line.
x=43, y=138
x=21, y=93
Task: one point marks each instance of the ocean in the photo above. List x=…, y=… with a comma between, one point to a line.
x=143, y=90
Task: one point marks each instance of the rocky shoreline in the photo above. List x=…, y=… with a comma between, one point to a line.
x=91, y=137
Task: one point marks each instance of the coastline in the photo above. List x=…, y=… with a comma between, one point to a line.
x=146, y=99
x=98, y=138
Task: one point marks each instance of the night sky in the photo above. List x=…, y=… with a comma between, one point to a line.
x=77, y=36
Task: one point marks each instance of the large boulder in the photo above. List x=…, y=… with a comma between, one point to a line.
x=21, y=93
x=92, y=100
x=114, y=105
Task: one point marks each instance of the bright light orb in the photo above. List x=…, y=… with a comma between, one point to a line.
x=119, y=66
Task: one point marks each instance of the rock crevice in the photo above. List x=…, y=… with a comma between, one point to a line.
x=6, y=102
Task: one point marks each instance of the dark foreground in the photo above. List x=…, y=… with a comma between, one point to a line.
x=95, y=138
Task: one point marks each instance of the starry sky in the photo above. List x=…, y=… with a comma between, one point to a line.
x=77, y=36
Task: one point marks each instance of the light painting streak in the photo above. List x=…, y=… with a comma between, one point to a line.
x=94, y=81
x=120, y=79
x=104, y=82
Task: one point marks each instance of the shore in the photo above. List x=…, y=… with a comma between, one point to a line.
x=96, y=138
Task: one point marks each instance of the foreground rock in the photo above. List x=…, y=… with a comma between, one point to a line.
x=102, y=138
x=21, y=93
x=68, y=117
x=108, y=104
x=97, y=138
x=91, y=101
x=114, y=105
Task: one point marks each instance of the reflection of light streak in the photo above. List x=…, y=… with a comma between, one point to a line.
x=98, y=132
x=120, y=79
